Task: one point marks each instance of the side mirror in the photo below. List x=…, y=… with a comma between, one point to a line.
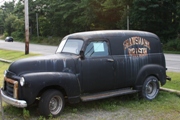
x=82, y=54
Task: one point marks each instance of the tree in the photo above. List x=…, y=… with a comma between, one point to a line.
x=61, y=17
x=9, y=24
x=157, y=16
x=1, y=21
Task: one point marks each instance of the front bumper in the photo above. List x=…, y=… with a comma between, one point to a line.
x=12, y=101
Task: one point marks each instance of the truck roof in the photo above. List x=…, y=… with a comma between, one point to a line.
x=110, y=33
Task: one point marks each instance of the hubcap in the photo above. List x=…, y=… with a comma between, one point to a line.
x=55, y=105
x=151, y=89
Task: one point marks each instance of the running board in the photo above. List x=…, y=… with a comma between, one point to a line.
x=107, y=94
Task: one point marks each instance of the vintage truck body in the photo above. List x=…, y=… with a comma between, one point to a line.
x=88, y=66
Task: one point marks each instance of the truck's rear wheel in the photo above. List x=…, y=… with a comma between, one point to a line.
x=150, y=88
x=51, y=103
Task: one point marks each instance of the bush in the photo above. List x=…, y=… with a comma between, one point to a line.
x=18, y=36
x=172, y=45
x=50, y=40
x=5, y=34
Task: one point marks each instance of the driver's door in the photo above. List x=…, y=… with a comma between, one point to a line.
x=97, y=68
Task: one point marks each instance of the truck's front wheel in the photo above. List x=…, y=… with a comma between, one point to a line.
x=51, y=103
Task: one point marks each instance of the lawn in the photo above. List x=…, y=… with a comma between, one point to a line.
x=175, y=82
x=165, y=107
x=10, y=55
x=13, y=55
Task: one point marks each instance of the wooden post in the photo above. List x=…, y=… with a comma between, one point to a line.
x=1, y=107
x=170, y=90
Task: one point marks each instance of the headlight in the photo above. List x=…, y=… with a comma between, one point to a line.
x=5, y=72
x=22, y=81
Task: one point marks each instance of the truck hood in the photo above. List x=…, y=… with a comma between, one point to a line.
x=50, y=63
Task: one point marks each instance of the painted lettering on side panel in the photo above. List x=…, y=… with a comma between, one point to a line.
x=137, y=46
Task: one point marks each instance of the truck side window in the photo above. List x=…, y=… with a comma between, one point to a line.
x=96, y=48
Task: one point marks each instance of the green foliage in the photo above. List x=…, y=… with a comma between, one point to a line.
x=26, y=114
x=9, y=24
x=46, y=118
x=44, y=26
x=172, y=45
x=49, y=40
x=41, y=118
x=156, y=16
x=17, y=35
x=1, y=21
x=5, y=34
x=60, y=17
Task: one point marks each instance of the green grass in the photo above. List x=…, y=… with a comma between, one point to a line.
x=10, y=55
x=13, y=55
x=165, y=107
x=3, y=67
x=175, y=82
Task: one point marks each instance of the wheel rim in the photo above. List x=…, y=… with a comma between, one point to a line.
x=151, y=89
x=55, y=105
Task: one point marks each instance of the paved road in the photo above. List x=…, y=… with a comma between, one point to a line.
x=33, y=48
x=172, y=60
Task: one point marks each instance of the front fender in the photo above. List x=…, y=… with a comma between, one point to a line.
x=148, y=70
x=35, y=82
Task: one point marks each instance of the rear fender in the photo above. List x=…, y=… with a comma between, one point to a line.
x=148, y=70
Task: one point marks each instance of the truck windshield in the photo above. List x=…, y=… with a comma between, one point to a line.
x=70, y=46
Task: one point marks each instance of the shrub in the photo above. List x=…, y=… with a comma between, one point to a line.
x=172, y=45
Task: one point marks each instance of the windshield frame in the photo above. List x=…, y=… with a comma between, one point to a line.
x=66, y=46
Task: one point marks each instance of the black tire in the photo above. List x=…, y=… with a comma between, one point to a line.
x=51, y=103
x=150, y=88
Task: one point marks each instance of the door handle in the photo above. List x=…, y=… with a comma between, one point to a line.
x=110, y=60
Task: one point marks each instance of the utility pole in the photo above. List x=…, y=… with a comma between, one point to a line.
x=26, y=27
x=37, y=25
x=127, y=17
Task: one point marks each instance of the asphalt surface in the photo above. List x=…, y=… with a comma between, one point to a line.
x=172, y=60
x=33, y=48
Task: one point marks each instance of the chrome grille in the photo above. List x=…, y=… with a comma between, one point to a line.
x=9, y=89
